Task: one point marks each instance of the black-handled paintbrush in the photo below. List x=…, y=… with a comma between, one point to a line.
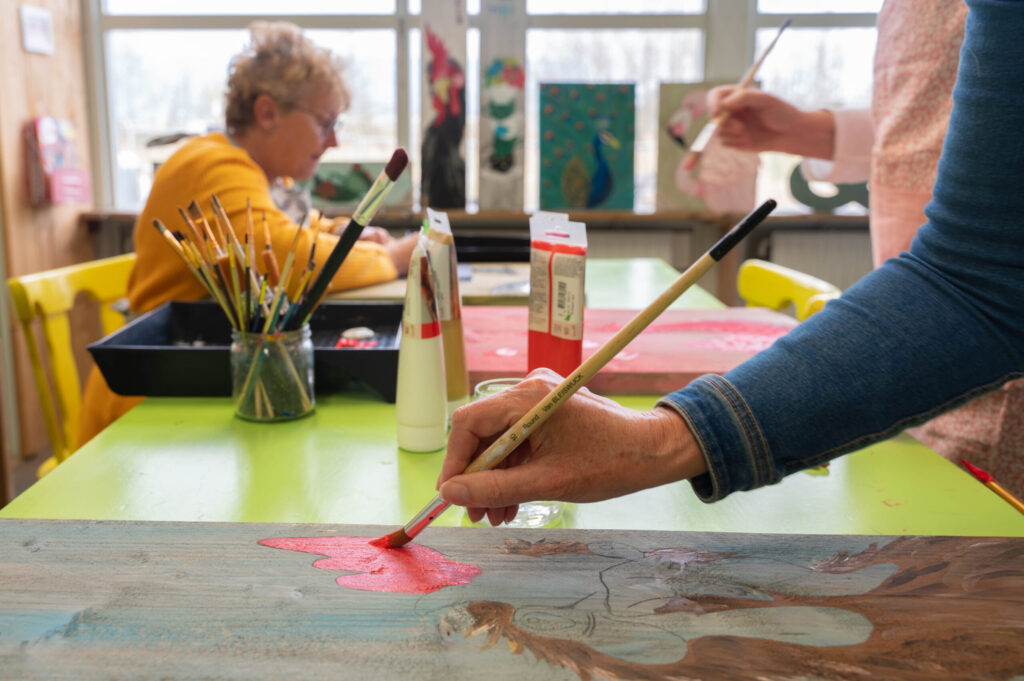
x=363, y=214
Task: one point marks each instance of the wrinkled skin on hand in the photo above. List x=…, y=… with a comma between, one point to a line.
x=590, y=449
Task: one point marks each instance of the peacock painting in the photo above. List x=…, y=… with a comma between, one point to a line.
x=586, y=149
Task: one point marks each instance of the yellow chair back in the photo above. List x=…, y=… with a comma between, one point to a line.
x=50, y=296
x=766, y=284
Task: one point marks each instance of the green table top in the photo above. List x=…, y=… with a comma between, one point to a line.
x=190, y=459
x=632, y=283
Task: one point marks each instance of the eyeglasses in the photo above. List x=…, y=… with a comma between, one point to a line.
x=327, y=126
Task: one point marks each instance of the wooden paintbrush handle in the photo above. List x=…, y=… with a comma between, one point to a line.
x=514, y=436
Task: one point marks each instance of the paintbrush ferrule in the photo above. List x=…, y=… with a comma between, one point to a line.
x=368, y=207
x=422, y=519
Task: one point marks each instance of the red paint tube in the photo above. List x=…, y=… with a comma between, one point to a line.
x=558, y=250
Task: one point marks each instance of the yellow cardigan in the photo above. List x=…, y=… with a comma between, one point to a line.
x=201, y=168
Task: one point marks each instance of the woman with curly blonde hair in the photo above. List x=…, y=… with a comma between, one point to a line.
x=284, y=96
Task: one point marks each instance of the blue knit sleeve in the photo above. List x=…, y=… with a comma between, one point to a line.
x=920, y=335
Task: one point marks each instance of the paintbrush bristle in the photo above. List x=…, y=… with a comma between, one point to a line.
x=396, y=539
x=397, y=164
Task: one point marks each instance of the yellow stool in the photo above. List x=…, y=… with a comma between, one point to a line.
x=50, y=296
x=765, y=284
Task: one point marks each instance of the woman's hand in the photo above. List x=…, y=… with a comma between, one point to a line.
x=377, y=235
x=590, y=449
x=400, y=251
x=759, y=121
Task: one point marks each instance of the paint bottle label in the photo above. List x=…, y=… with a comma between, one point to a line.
x=444, y=269
x=558, y=251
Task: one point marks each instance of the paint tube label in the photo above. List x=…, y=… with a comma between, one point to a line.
x=539, y=287
x=419, y=317
x=557, y=275
x=557, y=270
x=444, y=266
x=567, y=275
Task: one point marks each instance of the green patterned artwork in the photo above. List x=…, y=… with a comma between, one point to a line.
x=343, y=185
x=586, y=146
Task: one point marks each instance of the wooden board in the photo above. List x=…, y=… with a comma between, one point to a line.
x=98, y=600
x=678, y=347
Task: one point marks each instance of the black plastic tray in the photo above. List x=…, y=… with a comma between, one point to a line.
x=183, y=349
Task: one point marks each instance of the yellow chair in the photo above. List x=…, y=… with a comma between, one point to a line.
x=766, y=284
x=50, y=296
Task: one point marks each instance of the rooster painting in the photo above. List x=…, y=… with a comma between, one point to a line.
x=587, y=133
x=444, y=169
x=723, y=179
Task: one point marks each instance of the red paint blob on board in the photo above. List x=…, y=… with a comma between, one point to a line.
x=411, y=569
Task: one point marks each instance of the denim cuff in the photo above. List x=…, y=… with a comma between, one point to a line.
x=734, y=448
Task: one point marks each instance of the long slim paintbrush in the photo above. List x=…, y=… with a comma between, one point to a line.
x=986, y=478
x=690, y=160
x=522, y=428
x=363, y=214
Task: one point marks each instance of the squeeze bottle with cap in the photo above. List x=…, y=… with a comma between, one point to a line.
x=420, y=400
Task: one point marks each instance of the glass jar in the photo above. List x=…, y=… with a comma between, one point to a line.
x=532, y=513
x=272, y=374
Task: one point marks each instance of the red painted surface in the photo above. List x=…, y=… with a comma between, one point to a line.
x=412, y=569
x=678, y=347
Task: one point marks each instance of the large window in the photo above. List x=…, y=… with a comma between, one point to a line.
x=161, y=65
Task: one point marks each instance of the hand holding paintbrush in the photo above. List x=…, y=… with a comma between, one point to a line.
x=697, y=148
x=532, y=419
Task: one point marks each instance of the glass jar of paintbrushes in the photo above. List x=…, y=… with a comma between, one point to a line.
x=271, y=349
x=271, y=346
x=272, y=374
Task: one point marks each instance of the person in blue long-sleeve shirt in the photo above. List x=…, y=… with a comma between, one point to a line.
x=920, y=335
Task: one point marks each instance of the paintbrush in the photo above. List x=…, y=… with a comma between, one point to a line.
x=693, y=155
x=522, y=428
x=360, y=218
x=991, y=483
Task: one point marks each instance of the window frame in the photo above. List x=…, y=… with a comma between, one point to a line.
x=729, y=28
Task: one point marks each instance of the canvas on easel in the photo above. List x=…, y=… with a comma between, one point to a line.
x=587, y=131
x=723, y=181
x=443, y=163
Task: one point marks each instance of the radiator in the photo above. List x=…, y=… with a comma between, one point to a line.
x=840, y=258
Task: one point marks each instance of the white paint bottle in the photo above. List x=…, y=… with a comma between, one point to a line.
x=421, y=398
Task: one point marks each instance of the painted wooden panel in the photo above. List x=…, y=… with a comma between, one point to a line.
x=722, y=181
x=587, y=135
x=443, y=162
x=676, y=348
x=502, y=104
x=88, y=600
